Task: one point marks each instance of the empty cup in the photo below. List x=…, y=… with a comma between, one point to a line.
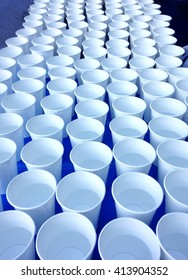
x=92, y=156
x=121, y=52
x=3, y=94
x=124, y=74
x=127, y=127
x=59, y=60
x=176, y=74
x=21, y=42
x=10, y=64
x=81, y=192
x=133, y=155
x=146, y=51
x=128, y=239
x=167, y=107
x=110, y=64
x=45, y=125
x=28, y=33
x=62, y=72
x=17, y=236
x=33, y=192
x=92, y=108
x=95, y=52
x=167, y=62
x=140, y=63
x=8, y=162
x=23, y=105
x=92, y=42
x=72, y=51
x=181, y=89
x=13, y=52
x=29, y=60
x=34, y=72
x=162, y=40
x=172, y=233
x=60, y=105
x=171, y=155
x=6, y=78
x=45, y=154
x=89, y=91
x=85, y=64
x=43, y=40
x=95, y=76
x=116, y=43
x=66, y=41
x=11, y=126
x=85, y=129
x=66, y=236
x=137, y=195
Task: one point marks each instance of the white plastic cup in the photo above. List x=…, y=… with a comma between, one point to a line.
x=118, y=34
x=66, y=236
x=23, y=105
x=35, y=24
x=50, y=19
x=110, y=64
x=121, y=52
x=85, y=64
x=154, y=90
x=33, y=17
x=133, y=155
x=137, y=195
x=92, y=42
x=116, y=25
x=162, y=40
x=92, y=156
x=140, y=63
x=73, y=32
x=66, y=41
x=139, y=33
x=17, y=236
x=46, y=51
x=62, y=72
x=75, y=17
x=171, y=155
x=95, y=76
x=60, y=105
x=135, y=25
x=62, y=86
x=43, y=40
x=172, y=233
x=45, y=154
x=11, y=126
x=81, y=25
x=95, y=34
x=144, y=41
x=117, y=43
x=175, y=187
x=124, y=74
x=8, y=162
x=167, y=62
x=30, y=60
x=9, y=64
x=166, y=127
x=168, y=107
x=21, y=42
x=89, y=91
x=57, y=25
x=45, y=125
x=142, y=18
x=81, y=192
x=146, y=51
x=181, y=89
x=134, y=240
x=158, y=23
x=72, y=51
x=33, y=72
x=127, y=127
x=33, y=192
x=32, y=86
x=100, y=18
x=129, y=105
x=85, y=129
x=3, y=94
x=52, y=32
x=13, y=52
x=28, y=33
x=59, y=60
x=95, y=52
x=6, y=78
x=176, y=74
x=92, y=108
x=121, y=17
x=158, y=31
x=163, y=17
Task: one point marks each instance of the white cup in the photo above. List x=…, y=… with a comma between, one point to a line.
x=121, y=17
x=21, y=42
x=181, y=89
x=139, y=33
x=92, y=42
x=95, y=34
x=43, y=40
x=171, y=155
x=133, y=155
x=175, y=187
x=172, y=233
x=163, y=17
x=124, y=74
x=66, y=41
x=95, y=52
x=89, y=91
x=62, y=86
x=13, y=52
x=59, y=60
x=146, y=51
x=81, y=25
x=136, y=195
x=38, y=11
x=85, y=129
x=28, y=33
x=162, y=40
x=45, y=125
x=52, y=32
x=144, y=41
x=154, y=90
x=51, y=18
x=118, y=34
x=6, y=78
x=85, y=64
x=117, y=43
x=158, y=23
x=11, y=126
x=127, y=127
x=3, y=94
x=122, y=52
x=17, y=236
x=33, y=72
x=168, y=107
x=45, y=154
x=72, y=51
x=81, y=192
x=62, y=72
x=176, y=74
x=129, y=105
x=9, y=64
x=100, y=18
x=33, y=192
x=167, y=62
x=134, y=240
x=66, y=236
x=112, y=63
x=140, y=63
x=92, y=108
x=32, y=86
x=35, y=24
x=158, y=31
x=133, y=13
x=45, y=51
x=95, y=76
x=23, y=105
x=166, y=127
x=33, y=17
x=142, y=18
x=60, y=105
x=117, y=25
x=92, y=156
x=30, y=60
x=135, y=25
x=8, y=162
x=57, y=25
x=75, y=17
x=73, y=32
